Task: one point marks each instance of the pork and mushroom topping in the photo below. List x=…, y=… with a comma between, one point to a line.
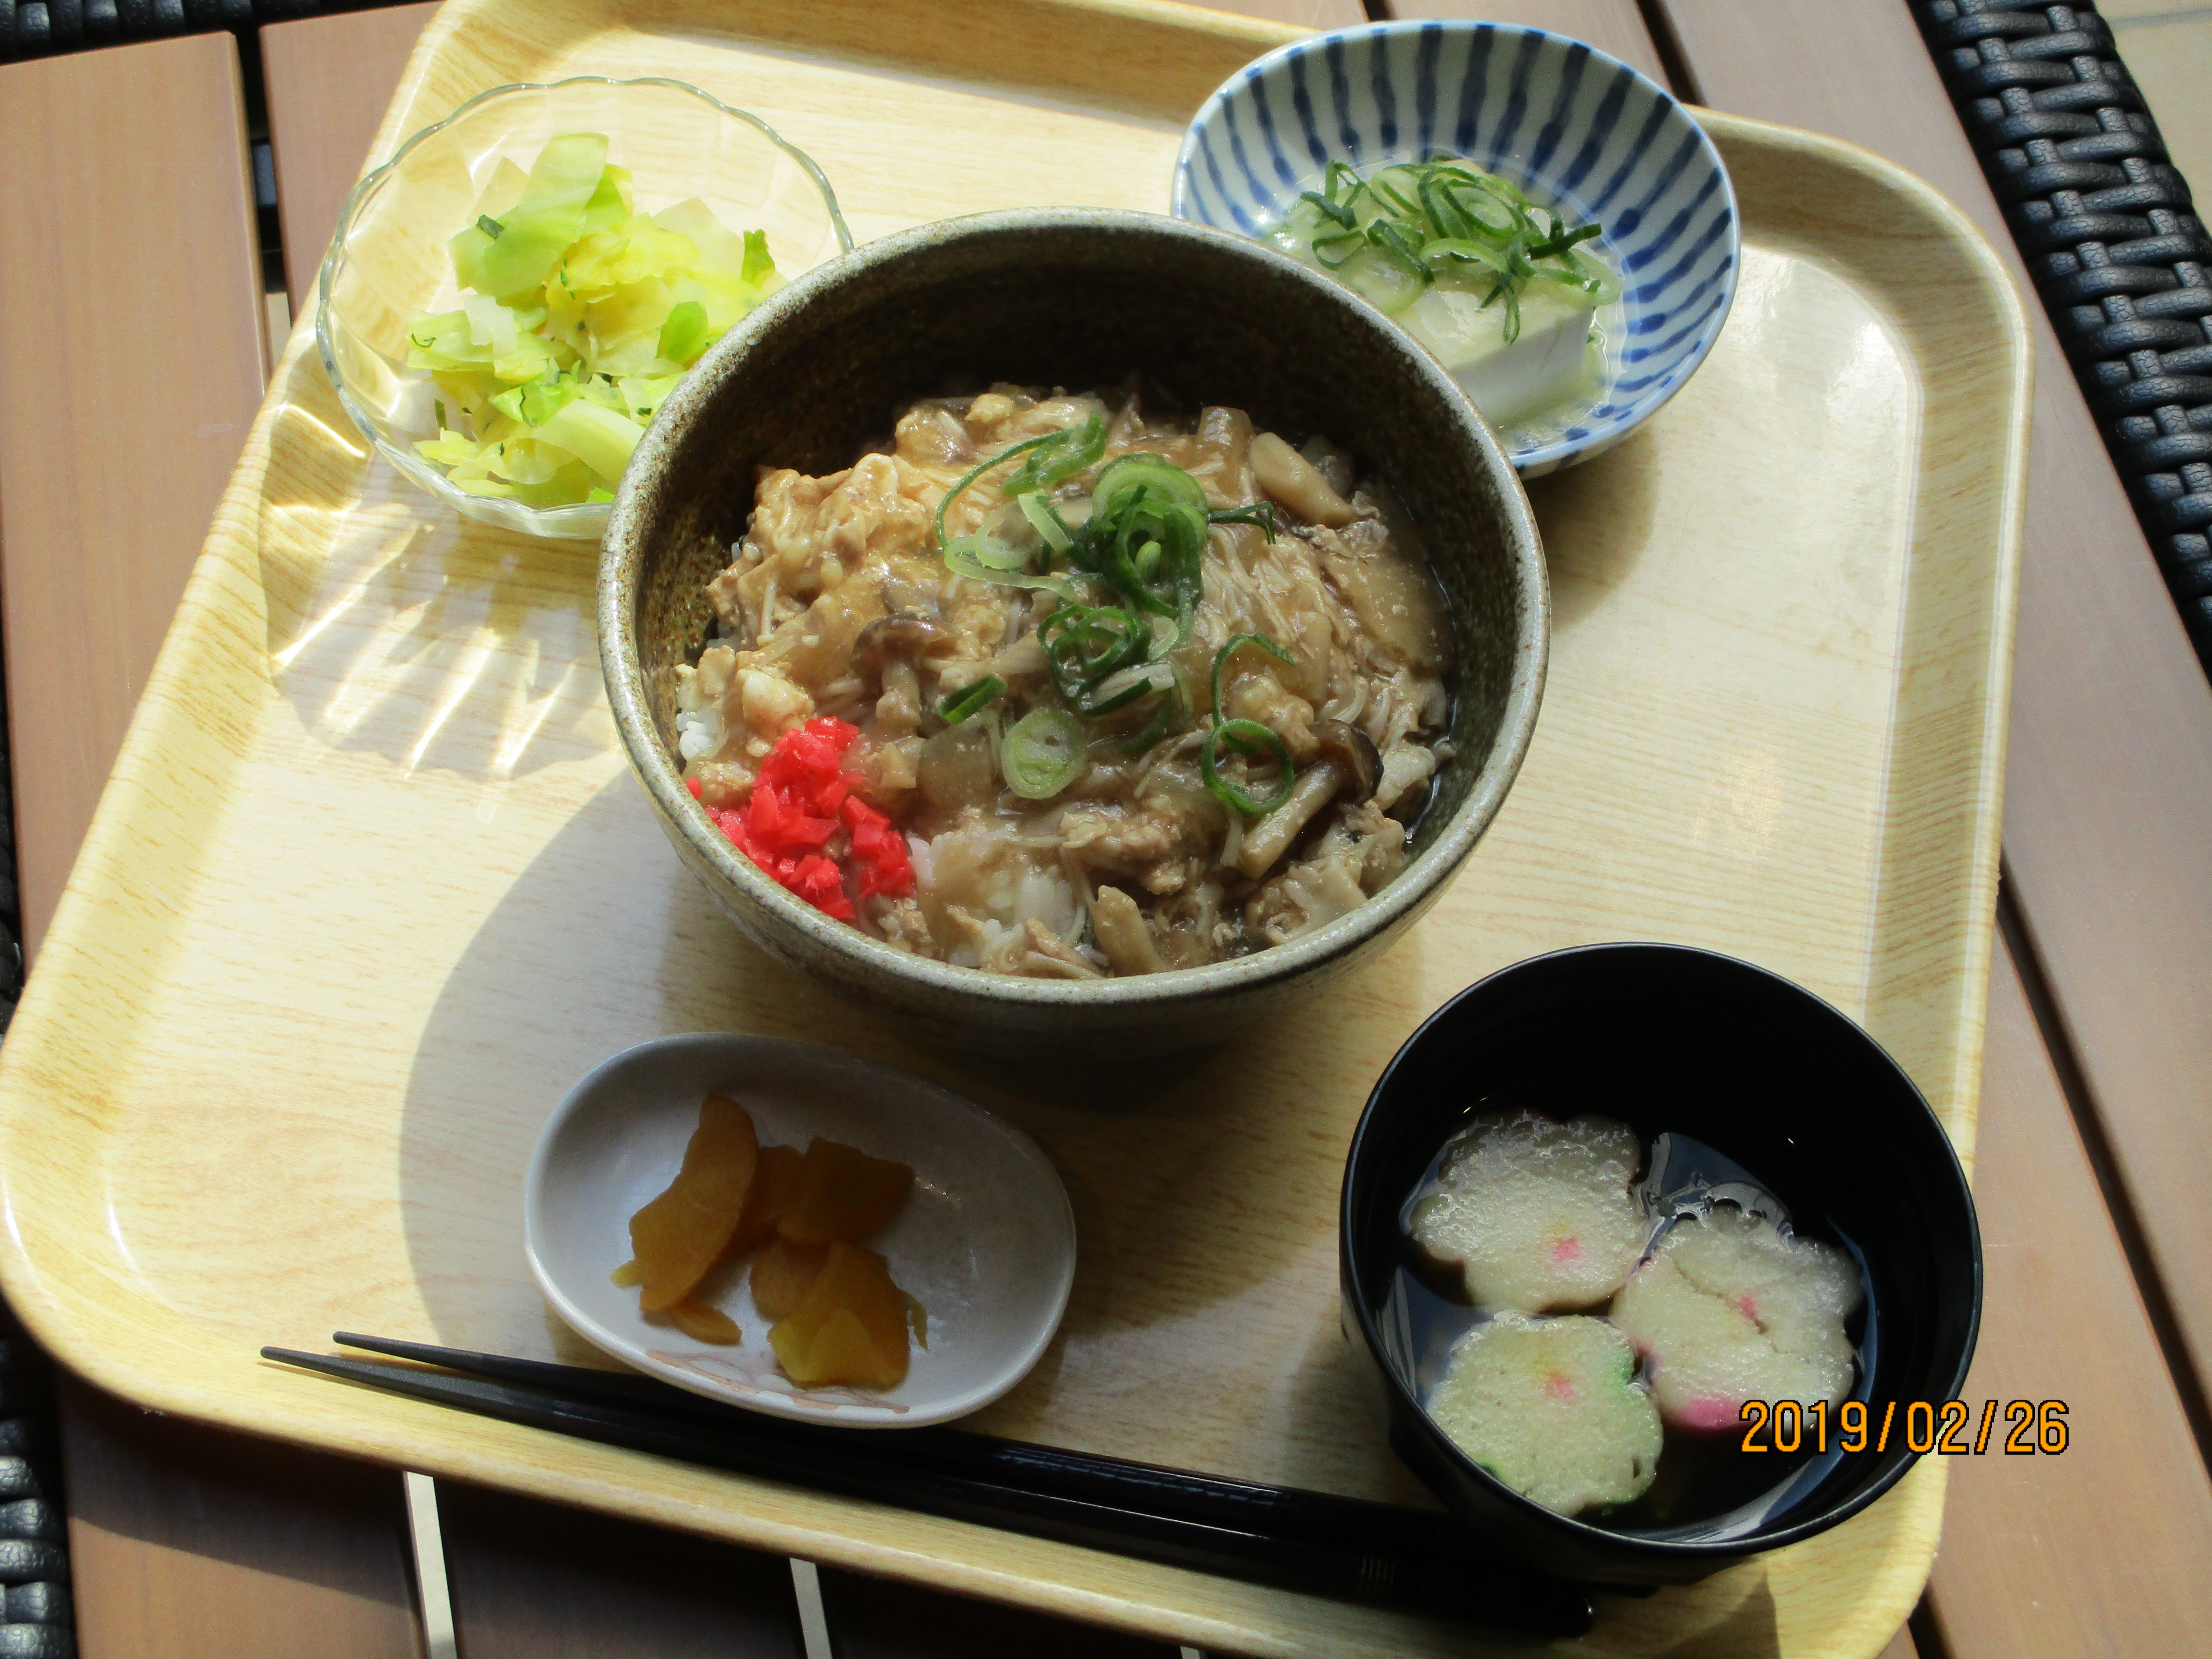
x=1057, y=688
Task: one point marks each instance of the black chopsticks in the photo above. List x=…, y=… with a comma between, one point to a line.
x=1379, y=1554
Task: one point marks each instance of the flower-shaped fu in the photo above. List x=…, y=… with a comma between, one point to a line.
x=1537, y=1214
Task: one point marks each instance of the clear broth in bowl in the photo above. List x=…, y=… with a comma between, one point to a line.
x=1708, y=1486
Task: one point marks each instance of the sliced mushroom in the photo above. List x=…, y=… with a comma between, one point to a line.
x=901, y=634
x=1121, y=933
x=1045, y=955
x=1348, y=761
x=1271, y=837
x=1296, y=483
x=1354, y=751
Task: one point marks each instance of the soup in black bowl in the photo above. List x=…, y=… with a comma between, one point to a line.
x=1617, y=1218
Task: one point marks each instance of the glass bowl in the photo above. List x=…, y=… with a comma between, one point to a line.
x=388, y=262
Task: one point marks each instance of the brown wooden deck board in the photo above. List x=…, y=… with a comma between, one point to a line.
x=126, y=197
x=1613, y=26
x=131, y=362
x=328, y=80
x=1305, y=13
x=877, y=1618
x=534, y=1581
x=189, y=1542
x=2104, y=1548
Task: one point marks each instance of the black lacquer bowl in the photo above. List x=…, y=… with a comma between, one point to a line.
x=1078, y=298
x=1665, y=1038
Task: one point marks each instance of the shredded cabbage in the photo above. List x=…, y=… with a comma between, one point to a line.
x=579, y=316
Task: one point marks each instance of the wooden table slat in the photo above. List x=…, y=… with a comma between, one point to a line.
x=880, y=1619
x=1305, y=13
x=328, y=80
x=1612, y=26
x=535, y=1581
x=131, y=362
x=2103, y=1548
x=2109, y=769
x=188, y=1541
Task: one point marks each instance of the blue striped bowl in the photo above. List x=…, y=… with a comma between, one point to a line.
x=1578, y=130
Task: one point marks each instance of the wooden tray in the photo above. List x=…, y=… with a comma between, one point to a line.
x=371, y=885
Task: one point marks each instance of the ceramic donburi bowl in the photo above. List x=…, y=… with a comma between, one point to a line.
x=1075, y=298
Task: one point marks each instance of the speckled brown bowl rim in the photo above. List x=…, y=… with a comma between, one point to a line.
x=622, y=557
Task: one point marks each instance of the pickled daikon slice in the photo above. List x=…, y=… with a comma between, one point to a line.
x=677, y=1237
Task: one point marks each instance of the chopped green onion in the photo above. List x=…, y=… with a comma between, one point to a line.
x=1229, y=647
x=1144, y=539
x=989, y=553
x=1084, y=646
x=489, y=226
x=1404, y=242
x=971, y=699
x=1146, y=536
x=1044, y=754
x=981, y=468
x=1334, y=250
x=1512, y=330
x=1124, y=686
x=1335, y=210
x=1461, y=248
x=1155, y=539
x=1071, y=450
x=1127, y=474
x=1601, y=281
x=987, y=559
x=1441, y=221
x=1561, y=242
x=1171, y=717
x=1045, y=522
x=1247, y=737
x=1261, y=513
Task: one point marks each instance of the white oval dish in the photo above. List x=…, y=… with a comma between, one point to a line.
x=986, y=1243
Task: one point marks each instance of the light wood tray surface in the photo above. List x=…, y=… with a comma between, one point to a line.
x=371, y=885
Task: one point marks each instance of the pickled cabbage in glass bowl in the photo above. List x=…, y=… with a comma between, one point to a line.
x=579, y=315
x=513, y=295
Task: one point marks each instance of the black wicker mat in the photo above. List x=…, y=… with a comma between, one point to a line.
x=36, y=28
x=35, y=1616
x=2110, y=235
